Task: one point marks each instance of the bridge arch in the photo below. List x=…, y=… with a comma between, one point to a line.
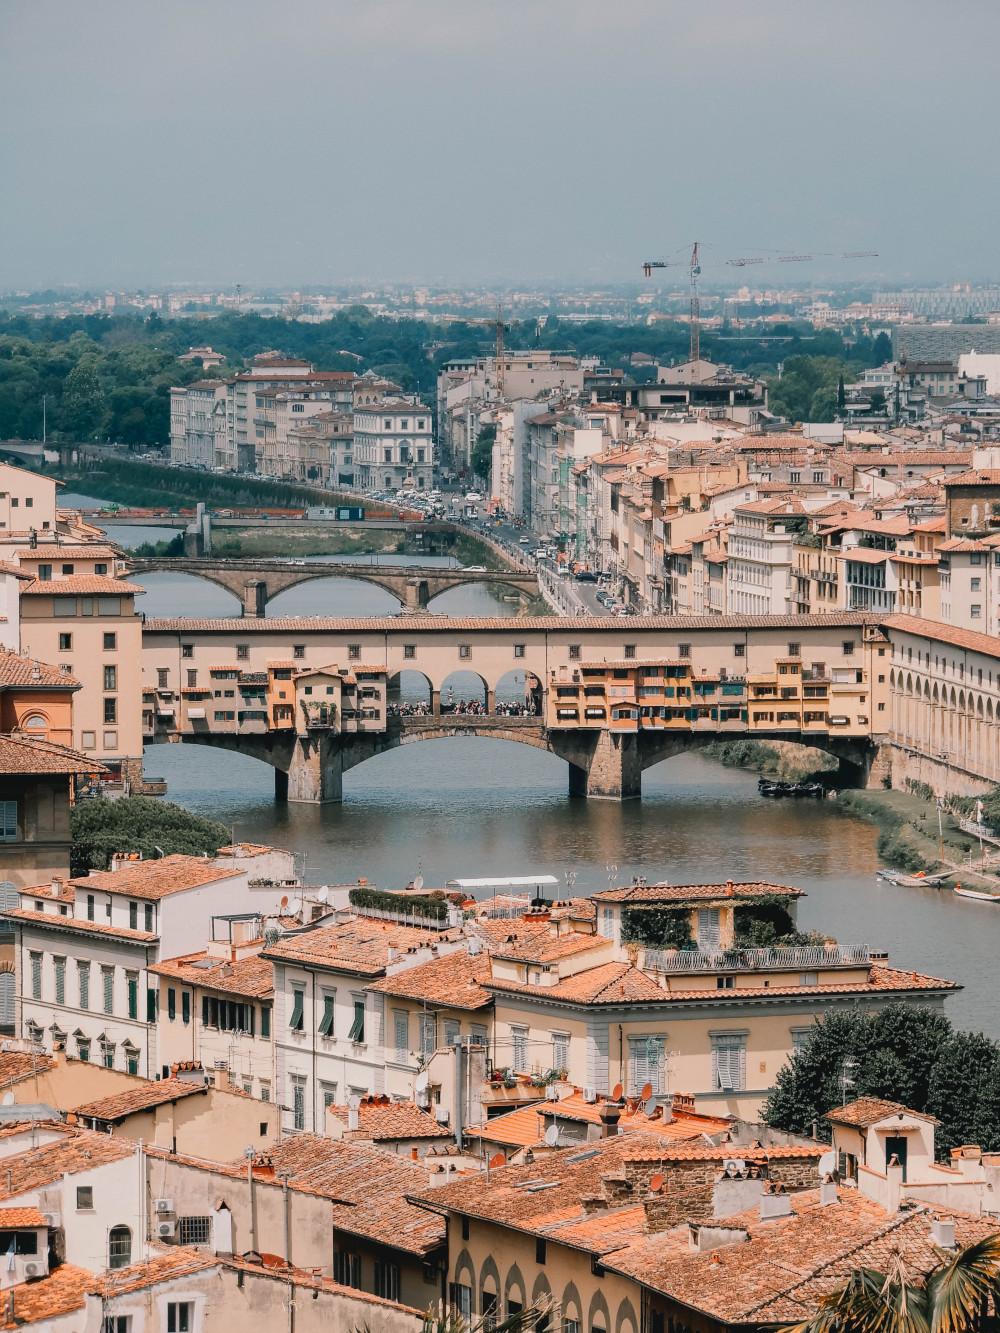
x=353, y=597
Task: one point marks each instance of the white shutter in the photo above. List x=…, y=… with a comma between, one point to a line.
x=402, y=1035
x=8, y=822
x=708, y=928
x=723, y=1068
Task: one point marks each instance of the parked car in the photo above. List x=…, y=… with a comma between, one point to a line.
x=525, y=541
x=585, y=576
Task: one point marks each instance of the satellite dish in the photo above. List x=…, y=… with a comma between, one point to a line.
x=8, y=1099
x=649, y=1106
x=826, y=1164
x=616, y=1094
x=552, y=1135
x=353, y=1103
x=324, y=893
x=418, y=883
x=498, y=1159
x=646, y=1093
x=284, y=901
x=656, y=1183
x=737, y=1163
x=421, y=1082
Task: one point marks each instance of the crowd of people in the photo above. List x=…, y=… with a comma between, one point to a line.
x=468, y=707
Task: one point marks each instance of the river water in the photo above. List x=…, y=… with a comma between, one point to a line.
x=467, y=807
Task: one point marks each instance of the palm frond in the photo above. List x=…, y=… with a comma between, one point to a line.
x=959, y=1288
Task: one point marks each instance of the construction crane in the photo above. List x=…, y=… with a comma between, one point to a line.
x=695, y=269
x=501, y=329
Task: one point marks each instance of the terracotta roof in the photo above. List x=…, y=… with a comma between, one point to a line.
x=657, y=893
x=178, y=1261
x=72, y=923
x=81, y=585
x=252, y=976
x=78, y=1150
x=62, y=1292
x=300, y=1277
x=387, y=1120
x=869, y=1110
x=525, y=1127
x=865, y=555
x=156, y=879
x=936, y=630
x=783, y=1266
x=18, y=754
x=975, y=477
x=16, y=1066
x=143, y=1098
x=620, y=983
x=81, y=551
x=453, y=981
x=21, y=1217
x=361, y=945
x=21, y=671
x=546, y=948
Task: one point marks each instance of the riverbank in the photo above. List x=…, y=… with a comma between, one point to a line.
x=780, y=759
x=297, y=542
x=908, y=838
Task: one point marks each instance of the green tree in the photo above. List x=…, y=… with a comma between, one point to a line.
x=841, y=395
x=82, y=411
x=892, y=1054
x=876, y=404
x=138, y=824
x=482, y=453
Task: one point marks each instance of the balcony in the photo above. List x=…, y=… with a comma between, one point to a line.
x=812, y=958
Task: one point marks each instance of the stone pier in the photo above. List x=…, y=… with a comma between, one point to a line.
x=609, y=767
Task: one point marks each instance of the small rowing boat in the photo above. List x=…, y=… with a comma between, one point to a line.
x=974, y=893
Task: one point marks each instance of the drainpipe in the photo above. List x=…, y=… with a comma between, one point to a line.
x=253, y=1227
x=288, y=1238
x=458, y=1094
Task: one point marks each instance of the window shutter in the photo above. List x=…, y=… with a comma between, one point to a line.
x=109, y=990
x=295, y=1022
x=402, y=1035
x=204, y=1011
x=326, y=1022
x=8, y=821
x=357, y=1032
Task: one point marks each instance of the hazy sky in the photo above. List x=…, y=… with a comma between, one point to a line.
x=146, y=142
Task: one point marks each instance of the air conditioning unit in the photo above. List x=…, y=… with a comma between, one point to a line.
x=165, y=1229
x=163, y=1205
x=441, y=1114
x=52, y=1220
x=590, y=1094
x=32, y=1270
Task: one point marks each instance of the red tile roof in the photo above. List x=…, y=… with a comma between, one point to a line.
x=448, y=625
x=76, y=585
x=156, y=879
x=142, y=1098
x=16, y=670
x=78, y=1150
x=21, y=1217
x=361, y=945
x=72, y=923
x=252, y=976
x=454, y=982
x=383, y=1121
x=62, y=1292
x=870, y=1110
x=656, y=893
x=178, y=1261
x=18, y=754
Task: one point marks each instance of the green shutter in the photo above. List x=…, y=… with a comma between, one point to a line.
x=326, y=1022
x=295, y=1022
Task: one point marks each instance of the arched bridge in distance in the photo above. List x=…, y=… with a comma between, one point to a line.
x=611, y=697
x=256, y=582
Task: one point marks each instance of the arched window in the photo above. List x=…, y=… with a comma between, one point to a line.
x=119, y=1247
x=36, y=725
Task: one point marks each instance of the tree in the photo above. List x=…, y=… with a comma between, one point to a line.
x=482, y=453
x=841, y=395
x=82, y=400
x=138, y=824
x=892, y=1054
x=876, y=404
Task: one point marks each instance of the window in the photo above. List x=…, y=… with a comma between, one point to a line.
x=354, y=652
x=108, y=978
x=347, y=1269
x=111, y=740
x=162, y=677
x=171, y=1003
x=795, y=650
x=108, y=1054
x=729, y=1062
x=387, y=1280
x=973, y=585
x=84, y=1198
x=242, y=652
x=539, y=1249
x=36, y=976
x=326, y=1022
x=298, y=650
x=187, y=650
x=357, y=1032
x=428, y=1035
x=180, y=1317
x=560, y=1050
x=465, y=650
x=329, y=1094
x=265, y=1020
x=8, y=821
x=296, y=1022
x=147, y=916
x=65, y=643
x=976, y=610
x=109, y=606
x=133, y=916
x=630, y=650
x=401, y=1035
x=409, y=650
x=192, y=678
x=519, y=1042
x=185, y=1006
x=298, y=1101
x=645, y=1063
x=848, y=647
x=518, y=649
x=88, y=740
x=195, y=1230
x=110, y=643
x=64, y=606
x=808, y=978
x=683, y=650
x=59, y=966
x=111, y=710
x=84, y=979
x=83, y=1048
x=110, y=683
x=119, y=1247
x=460, y=1299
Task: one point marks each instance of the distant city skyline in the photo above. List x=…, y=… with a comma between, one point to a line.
x=454, y=144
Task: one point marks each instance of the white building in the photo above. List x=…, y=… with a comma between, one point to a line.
x=393, y=446
x=329, y=1030
x=198, y=423
x=760, y=558
x=83, y=949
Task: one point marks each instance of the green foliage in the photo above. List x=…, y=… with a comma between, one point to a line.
x=174, y=547
x=82, y=409
x=896, y=851
x=434, y=909
x=657, y=927
x=808, y=388
x=902, y=1053
x=877, y=403
x=138, y=824
x=482, y=453
x=922, y=789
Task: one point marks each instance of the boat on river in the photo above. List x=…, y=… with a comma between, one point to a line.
x=974, y=893
x=916, y=881
x=769, y=787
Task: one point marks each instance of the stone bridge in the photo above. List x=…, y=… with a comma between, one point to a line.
x=255, y=582
x=601, y=764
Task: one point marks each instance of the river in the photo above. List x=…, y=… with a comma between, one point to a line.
x=479, y=807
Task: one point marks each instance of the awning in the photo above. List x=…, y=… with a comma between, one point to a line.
x=517, y=882
x=196, y=713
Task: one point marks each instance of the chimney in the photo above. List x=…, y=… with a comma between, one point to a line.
x=827, y=1192
x=774, y=1204
x=352, y=1117
x=894, y=1184
x=943, y=1234
x=610, y=1114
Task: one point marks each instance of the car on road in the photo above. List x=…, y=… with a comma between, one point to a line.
x=525, y=541
x=475, y=569
x=585, y=576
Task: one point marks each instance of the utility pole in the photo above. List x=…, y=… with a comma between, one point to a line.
x=44, y=397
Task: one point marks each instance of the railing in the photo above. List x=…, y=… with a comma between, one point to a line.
x=405, y=918
x=805, y=959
